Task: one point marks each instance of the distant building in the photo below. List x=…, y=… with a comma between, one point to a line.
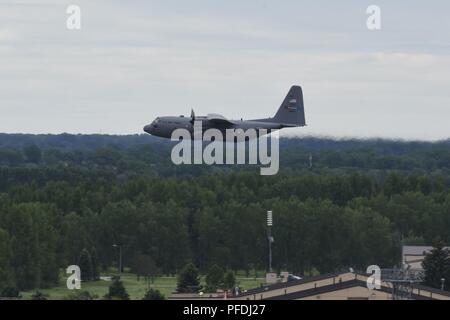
x=338, y=286
x=413, y=256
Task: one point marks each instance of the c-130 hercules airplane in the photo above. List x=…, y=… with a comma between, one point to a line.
x=290, y=114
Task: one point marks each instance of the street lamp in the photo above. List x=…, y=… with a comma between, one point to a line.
x=269, y=236
x=120, y=256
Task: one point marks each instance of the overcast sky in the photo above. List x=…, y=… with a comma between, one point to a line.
x=135, y=60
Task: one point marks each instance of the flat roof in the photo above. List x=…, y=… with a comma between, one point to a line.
x=417, y=250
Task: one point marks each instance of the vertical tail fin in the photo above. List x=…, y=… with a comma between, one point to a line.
x=292, y=111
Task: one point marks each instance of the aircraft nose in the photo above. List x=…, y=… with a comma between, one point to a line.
x=148, y=128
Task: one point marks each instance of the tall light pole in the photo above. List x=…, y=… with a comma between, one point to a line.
x=120, y=256
x=269, y=237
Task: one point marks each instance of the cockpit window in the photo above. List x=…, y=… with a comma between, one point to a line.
x=156, y=120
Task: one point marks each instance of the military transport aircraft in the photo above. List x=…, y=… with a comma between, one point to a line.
x=290, y=114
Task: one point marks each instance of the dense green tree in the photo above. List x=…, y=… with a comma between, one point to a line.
x=214, y=278
x=95, y=265
x=356, y=206
x=10, y=292
x=229, y=280
x=80, y=295
x=75, y=236
x=10, y=157
x=33, y=244
x=117, y=291
x=153, y=294
x=188, y=279
x=7, y=279
x=85, y=264
x=32, y=153
x=436, y=265
x=144, y=265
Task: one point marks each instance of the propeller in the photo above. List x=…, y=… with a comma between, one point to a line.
x=192, y=116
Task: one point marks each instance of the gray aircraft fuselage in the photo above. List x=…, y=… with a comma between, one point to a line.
x=290, y=114
x=164, y=126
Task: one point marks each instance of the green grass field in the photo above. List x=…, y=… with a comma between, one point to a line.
x=136, y=289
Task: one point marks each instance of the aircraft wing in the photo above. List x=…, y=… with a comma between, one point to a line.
x=217, y=118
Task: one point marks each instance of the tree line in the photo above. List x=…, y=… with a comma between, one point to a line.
x=326, y=218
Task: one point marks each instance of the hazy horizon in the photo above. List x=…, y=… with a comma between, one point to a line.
x=319, y=137
x=133, y=61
